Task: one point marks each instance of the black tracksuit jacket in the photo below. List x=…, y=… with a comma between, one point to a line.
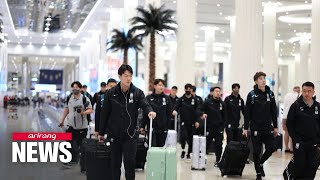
x=187, y=107
x=216, y=112
x=234, y=105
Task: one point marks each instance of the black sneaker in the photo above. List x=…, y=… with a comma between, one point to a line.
x=285, y=175
x=216, y=164
x=188, y=156
x=183, y=154
x=259, y=177
x=262, y=171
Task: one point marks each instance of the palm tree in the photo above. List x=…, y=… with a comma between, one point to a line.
x=122, y=40
x=151, y=21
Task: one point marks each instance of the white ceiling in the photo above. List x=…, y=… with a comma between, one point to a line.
x=209, y=12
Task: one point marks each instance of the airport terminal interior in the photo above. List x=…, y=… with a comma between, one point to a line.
x=45, y=45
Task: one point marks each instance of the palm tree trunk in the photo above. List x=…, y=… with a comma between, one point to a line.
x=125, y=56
x=137, y=62
x=152, y=63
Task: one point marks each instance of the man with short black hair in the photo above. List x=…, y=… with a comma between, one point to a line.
x=303, y=124
x=86, y=93
x=99, y=96
x=214, y=111
x=76, y=109
x=187, y=105
x=261, y=116
x=289, y=99
x=235, y=105
x=174, y=98
x=193, y=92
x=118, y=119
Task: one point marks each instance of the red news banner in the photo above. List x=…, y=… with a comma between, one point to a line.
x=37, y=136
x=41, y=147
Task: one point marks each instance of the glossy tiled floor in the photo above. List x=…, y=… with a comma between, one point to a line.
x=29, y=120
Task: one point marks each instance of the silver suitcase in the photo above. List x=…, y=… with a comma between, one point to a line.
x=171, y=140
x=199, y=151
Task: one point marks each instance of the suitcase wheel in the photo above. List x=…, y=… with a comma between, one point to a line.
x=192, y=168
x=203, y=169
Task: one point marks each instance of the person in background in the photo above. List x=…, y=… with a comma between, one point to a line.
x=289, y=99
x=162, y=105
x=303, y=124
x=86, y=93
x=187, y=105
x=235, y=105
x=173, y=98
x=261, y=115
x=215, y=112
x=76, y=109
x=193, y=92
x=100, y=96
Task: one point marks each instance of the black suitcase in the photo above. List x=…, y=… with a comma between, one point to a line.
x=142, y=148
x=97, y=160
x=234, y=158
x=86, y=143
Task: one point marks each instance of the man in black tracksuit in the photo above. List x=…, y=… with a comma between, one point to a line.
x=119, y=119
x=173, y=98
x=303, y=124
x=193, y=92
x=234, y=105
x=99, y=98
x=187, y=106
x=214, y=111
x=261, y=115
x=161, y=104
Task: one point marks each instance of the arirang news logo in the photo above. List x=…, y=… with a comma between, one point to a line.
x=41, y=147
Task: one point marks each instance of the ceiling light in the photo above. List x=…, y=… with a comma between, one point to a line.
x=110, y=6
x=9, y=41
x=294, y=30
x=228, y=40
x=37, y=58
x=60, y=39
x=30, y=37
x=218, y=5
x=64, y=27
x=278, y=35
x=196, y=3
x=294, y=44
x=174, y=2
x=284, y=43
x=281, y=50
x=220, y=13
x=295, y=20
x=289, y=24
x=306, y=2
x=222, y=31
x=287, y=12
x=43, y=44
x=66, y=22
x=14, y=57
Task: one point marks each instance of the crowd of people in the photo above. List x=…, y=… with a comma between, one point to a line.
x=116, y=114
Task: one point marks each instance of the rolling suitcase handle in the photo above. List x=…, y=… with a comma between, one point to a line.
x=205, y=127
x=150, y=131
x=175, y=122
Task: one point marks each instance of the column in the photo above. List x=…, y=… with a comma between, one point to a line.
x=302, y=67
x=270, y=60
x=3, y=71
x=247, y=48
x=228, y=67
x=25, y=76
x=186, y=16
x=209, y=39
x=315, y=44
